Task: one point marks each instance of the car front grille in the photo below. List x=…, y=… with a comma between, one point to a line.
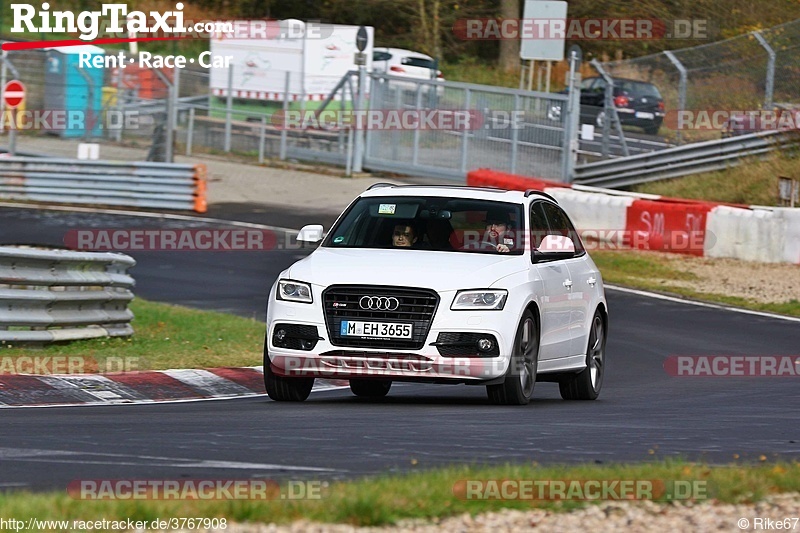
x=416, y=307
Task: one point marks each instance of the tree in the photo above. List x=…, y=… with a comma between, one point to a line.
x=509, y=48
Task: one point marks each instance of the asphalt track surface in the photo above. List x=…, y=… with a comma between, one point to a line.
x=642, y=414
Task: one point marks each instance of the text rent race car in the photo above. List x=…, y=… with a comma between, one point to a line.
x=440, y=285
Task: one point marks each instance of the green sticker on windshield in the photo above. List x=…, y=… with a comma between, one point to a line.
x=387, y=209
x=338, y=239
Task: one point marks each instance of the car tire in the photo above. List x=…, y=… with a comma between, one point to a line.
x=586, y=385
x=651, y=130
x=520, y=379
x=284, y=389
x=370, y=388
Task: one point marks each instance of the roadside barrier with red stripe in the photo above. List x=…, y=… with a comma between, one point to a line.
x=645, y=221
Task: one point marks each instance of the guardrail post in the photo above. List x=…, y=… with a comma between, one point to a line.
x=190, y=132
x=284, y=132
x=514, y=134
x=176, y=94
x=12, y=128
x=3, y=60
x=360, y=105
x=681, y=87
x=571, y=123
x=262, y=139
x=170, y=126
x=770, y=88
x=608, y=104
x=418, y=107
x=229, y=110
x=376, y=100
x=398, y=103
x=465, y=133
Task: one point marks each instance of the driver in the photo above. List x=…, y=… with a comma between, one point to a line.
x=498, y=231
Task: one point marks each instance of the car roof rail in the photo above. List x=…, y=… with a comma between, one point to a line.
x=381, y=184
x=540, y=193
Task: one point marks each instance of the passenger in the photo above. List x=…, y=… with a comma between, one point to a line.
x=404, y=235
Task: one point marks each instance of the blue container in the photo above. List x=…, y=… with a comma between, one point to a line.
x=74, y=91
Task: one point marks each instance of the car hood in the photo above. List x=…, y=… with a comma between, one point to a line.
x=416, y=268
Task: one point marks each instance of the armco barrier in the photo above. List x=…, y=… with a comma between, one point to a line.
x=72, y=181
x=751, y=233
x=683, y=160
x=58, y=295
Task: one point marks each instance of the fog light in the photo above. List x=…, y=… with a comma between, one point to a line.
x=485, y=345
x=306, y=344
x=280, y=334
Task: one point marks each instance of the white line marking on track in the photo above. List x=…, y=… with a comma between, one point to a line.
x=141, y=214
x=51, y=456
x=700, y=304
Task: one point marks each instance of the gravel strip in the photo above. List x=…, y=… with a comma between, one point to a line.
x=760, y=282
x=631, y=517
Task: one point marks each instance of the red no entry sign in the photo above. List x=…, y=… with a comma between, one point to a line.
x=13, y=94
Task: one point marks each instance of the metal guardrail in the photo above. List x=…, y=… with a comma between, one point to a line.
x=75, y=181
x=681, y=160
x=59, y=295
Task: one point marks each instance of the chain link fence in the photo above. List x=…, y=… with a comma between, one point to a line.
x=756, y=71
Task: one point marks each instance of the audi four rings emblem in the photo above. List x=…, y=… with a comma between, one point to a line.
x=379, y=303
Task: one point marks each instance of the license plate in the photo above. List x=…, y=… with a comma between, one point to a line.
x=378, y=330
x=640, y=114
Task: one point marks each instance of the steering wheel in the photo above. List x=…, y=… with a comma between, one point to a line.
x=487, y=246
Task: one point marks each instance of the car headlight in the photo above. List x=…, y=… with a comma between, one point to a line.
x=294, y=291
x=489, y=300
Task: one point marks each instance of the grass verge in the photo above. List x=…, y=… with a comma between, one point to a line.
x=169, y=336
x=754, y=182
x=424, y=495
x=652, y=272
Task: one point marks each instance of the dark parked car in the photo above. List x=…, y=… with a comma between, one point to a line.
x=638, y=103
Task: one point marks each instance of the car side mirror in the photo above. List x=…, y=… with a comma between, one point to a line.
x=553, y=248
x=311, y=233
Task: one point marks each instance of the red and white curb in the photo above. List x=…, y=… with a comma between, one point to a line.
x=145, y=387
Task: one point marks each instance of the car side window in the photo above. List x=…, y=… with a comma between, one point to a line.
x=538, y=225
x=559, y=224
x=381, y=56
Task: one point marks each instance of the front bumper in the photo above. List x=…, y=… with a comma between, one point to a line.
x=442, y=357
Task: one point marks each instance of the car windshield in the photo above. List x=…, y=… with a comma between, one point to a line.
x=429, y=223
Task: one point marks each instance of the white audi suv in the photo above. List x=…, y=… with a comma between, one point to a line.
x=429, y=284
